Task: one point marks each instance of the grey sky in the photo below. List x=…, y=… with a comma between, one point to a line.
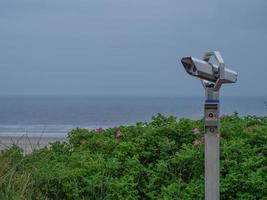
x=128, y=47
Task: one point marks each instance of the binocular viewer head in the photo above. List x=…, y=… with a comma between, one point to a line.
x=208, y=71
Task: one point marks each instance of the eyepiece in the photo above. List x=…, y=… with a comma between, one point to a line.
x=189, y=65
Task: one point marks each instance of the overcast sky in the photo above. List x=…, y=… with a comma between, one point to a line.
x=128, y=47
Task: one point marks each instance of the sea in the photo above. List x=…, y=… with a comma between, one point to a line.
x=56, y=116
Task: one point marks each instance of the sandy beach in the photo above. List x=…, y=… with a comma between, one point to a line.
x=28, y=143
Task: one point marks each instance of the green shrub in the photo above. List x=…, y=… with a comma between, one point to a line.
x=156, y=160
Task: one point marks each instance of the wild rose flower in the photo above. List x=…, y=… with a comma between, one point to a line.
x=196, y=142
x=196, y=131
x=119, y=134
x=203, y=139
x=99, y=129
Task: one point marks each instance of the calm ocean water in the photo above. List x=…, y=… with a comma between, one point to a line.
x=58, y=115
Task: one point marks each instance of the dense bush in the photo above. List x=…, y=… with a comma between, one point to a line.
x=163, y=159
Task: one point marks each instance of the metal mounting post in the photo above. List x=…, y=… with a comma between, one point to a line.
x=212, y=141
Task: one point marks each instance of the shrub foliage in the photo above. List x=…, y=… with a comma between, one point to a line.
x=156, y=160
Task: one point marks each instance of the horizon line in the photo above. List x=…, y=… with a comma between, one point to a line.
x=52, y=95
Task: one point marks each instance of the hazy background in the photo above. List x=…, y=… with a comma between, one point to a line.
x=128, y=47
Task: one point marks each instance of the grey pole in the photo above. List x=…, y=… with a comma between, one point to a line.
x=212, y=141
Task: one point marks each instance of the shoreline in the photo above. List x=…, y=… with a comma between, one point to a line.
x=29, y=143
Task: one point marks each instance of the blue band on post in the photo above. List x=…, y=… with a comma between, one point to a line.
x=215, y=101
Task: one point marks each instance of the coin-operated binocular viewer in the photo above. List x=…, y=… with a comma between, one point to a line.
x=212, y=77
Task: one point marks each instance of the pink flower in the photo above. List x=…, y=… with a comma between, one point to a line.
x=119, y=134
x=196, y=142
x=203, y=139
x=196, y=131
x=99, y=129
